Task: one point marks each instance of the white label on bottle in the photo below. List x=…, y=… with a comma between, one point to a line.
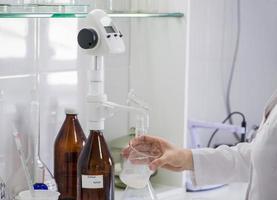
x=92, y=181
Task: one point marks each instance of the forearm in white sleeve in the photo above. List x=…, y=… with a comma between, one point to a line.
x=221, y=165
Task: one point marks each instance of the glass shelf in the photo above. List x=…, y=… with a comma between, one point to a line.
x=144, y=15
x=42, y=10
x=66, y=11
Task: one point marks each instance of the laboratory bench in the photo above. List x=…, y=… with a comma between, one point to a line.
x=234, y=191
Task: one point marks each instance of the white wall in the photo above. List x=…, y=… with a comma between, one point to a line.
x=212, y=39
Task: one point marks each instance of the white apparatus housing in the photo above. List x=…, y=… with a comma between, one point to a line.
x=101, y=37
x=193, y=125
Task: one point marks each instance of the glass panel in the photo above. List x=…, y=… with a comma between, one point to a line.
x=67, y=11
x=143, y=15
x=15, y=32
x=62, y=78
x=58, y=91
x=42, y=10
x=62, y=39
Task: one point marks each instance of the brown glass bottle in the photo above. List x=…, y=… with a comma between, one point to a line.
x=68, y=145
x=95, y=170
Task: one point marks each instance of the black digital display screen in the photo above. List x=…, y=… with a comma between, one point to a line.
x=109, y=29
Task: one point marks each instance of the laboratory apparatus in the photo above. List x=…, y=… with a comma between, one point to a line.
x=31, y=193
x=116, y=146
x=68, y=145
x=36, y=191
x=23, y=162
x=34, y=123
x=135, y=171
x=43, y=178
x=95, y=165
x=194, y=125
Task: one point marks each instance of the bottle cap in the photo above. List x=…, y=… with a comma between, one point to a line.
x=70, y=111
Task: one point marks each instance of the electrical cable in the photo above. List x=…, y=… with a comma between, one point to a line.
x=243, y=124
x=234, y=63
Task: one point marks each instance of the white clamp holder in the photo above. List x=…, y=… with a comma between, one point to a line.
x=100, y=109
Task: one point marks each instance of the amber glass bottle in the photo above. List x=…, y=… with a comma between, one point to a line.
x=68, y=145
x=95, y=170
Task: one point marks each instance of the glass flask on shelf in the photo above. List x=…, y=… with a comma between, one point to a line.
x=95, y=169
x=68, y=145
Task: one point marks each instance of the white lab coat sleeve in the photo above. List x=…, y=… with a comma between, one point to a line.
x=221, y=165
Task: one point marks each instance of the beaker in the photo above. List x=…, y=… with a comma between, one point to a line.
x=136, y=174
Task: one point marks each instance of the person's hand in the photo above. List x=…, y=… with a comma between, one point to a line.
x=165, y=154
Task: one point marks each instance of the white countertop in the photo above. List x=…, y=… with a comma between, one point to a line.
x=230, y=192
